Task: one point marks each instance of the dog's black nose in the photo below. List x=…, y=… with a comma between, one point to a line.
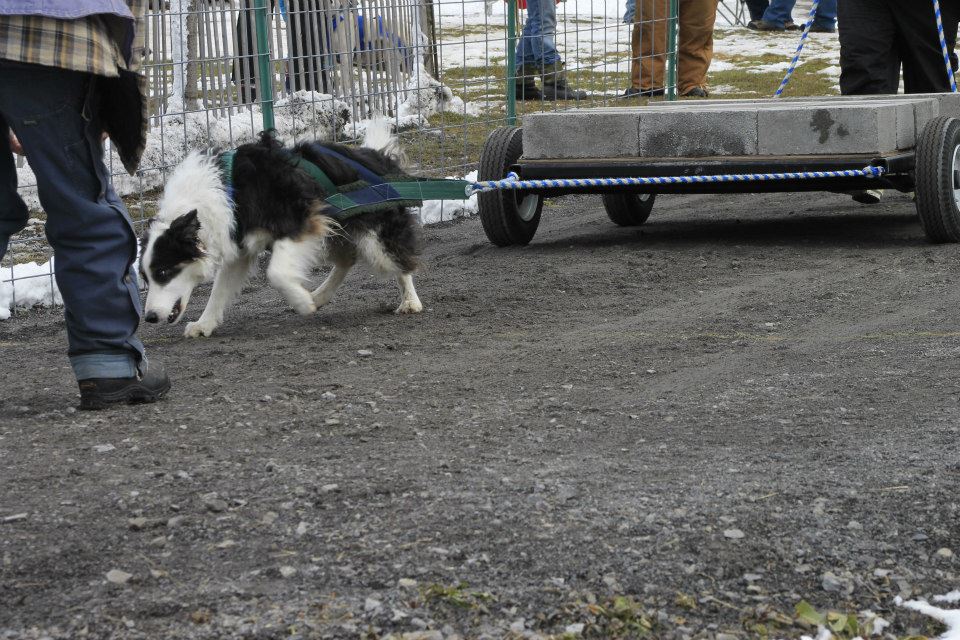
x=151, y=317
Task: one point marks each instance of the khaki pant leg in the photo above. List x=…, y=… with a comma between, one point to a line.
x=695, y=43
x=648, y=44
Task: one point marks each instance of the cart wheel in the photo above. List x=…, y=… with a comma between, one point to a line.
x=628, y=209
x=937, y=178
x=508, y=217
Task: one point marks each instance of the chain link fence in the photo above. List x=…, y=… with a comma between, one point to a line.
x=221, y=71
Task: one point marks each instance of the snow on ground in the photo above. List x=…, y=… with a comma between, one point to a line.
x=949, y=617
x=27, y=285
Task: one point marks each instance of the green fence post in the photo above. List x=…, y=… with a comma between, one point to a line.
x=672, y=51
x=511, y=62
x=261, y=16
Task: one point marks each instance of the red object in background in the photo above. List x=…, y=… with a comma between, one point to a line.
x=522, y=4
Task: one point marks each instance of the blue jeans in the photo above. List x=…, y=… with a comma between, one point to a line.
x=781, y=12
x=537, y=44
x=53, y=113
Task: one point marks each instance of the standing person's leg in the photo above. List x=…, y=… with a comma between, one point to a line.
x=777, y=15
x=695, y=45
x=756, y=8
x=650, y=34
x=13, y=211
x=825, y=20
x=869, y=62
x=528, y=50
x=924, y=70
x=555, y=85
x=53, y=113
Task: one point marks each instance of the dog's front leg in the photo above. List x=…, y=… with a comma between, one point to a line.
x=227, y=284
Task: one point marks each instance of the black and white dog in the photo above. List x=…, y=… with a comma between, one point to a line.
x=201, y=233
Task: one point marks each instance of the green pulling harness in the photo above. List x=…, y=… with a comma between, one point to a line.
x=369, y=193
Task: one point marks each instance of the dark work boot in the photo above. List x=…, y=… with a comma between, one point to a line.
x=149, y=386
x=526, y=86
x=555, y=85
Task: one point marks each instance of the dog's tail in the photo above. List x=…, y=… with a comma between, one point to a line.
x=379, y=136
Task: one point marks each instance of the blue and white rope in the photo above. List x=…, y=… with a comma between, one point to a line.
x=943, y=46
x=796, y=55
x=513, y=182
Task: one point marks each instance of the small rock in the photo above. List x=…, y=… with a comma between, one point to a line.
x=269, y=517
x=301, y=529
x=214, y=504
x=726, y=636
x=159, y=541
x=175, y=521
x=137, y=524
x=15, y=517
x=116, y=576
x=103, y=448
x=364, y=353
x=943, y=552
x=517, y=626
x=287, y=571
x=854, y=525
x=226, y=544
x=371, y=604
x=733, y=534
x=407, y=583
x=329, y=488
x=574, y=629
x=830, y=582
x=327, y=395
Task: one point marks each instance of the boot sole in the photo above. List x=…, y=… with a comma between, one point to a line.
x=135, y=395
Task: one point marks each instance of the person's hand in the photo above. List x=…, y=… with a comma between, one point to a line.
x=15, y=144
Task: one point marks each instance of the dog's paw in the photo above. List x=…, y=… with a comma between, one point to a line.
x=305, y=308
x=199, y=329
x=409, y=306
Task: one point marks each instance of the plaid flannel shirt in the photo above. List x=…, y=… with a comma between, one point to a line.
x=101, y=44
x=97, y=44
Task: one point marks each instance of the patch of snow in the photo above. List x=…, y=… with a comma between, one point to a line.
x=27, y=285
x=949, y=617
x=949, y=598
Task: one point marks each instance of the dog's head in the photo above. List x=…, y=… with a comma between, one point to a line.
x=185, y=242
x=173, y=262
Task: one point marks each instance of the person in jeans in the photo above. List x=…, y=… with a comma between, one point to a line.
x=779, y=17
x=649, y=47
x=537, y=55
x=68, y=73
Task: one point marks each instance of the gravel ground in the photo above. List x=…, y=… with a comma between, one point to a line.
x=681, y=430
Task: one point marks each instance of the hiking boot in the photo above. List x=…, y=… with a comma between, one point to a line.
x=763, y=25
x=149, y=386
x=526, y=88
x=633, y=92
x=821, y=28
x=555, y=85
x=696, y=92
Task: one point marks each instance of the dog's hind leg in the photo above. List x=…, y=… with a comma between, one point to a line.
x=375, y=253
x=323, y=294
x=289, y=267
x=227, y=284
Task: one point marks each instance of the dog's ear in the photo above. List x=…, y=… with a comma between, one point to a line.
x=186, y=227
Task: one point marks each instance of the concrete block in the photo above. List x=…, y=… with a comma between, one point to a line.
x=821, y=130
x=694, y=134
x=582, y=133
x=800, y=126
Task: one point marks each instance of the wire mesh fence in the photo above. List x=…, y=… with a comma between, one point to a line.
x=220, y=71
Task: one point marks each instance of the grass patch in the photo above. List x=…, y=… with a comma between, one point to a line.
x=457, y=595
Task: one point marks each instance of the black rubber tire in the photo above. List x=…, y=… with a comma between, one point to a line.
x=934, y=179
x=500, y=211
x=628, y=209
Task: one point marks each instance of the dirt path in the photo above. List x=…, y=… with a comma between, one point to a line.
x=690, y=427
